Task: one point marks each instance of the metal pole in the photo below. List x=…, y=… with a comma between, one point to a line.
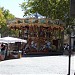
x=69, y=64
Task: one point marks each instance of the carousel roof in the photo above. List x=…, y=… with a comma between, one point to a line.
x=35, y=20
x=35, y=15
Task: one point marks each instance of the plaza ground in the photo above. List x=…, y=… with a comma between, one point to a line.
x=44, y=65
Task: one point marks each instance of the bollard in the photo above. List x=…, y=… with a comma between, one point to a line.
x=19, y=54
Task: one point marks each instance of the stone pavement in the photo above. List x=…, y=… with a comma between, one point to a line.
x=43, y=65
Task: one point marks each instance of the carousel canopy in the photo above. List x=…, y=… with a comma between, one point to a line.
x=35, y=20
x=35, y=15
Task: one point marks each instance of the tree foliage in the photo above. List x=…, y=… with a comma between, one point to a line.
x=4, y=16
x=54, y=9
x=47, y=8
x=2, y=19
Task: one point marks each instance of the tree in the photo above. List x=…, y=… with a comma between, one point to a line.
x=54, y=9
x=2, y=19
x=4, y=16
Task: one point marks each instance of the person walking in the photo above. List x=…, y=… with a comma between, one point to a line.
x=3, y=51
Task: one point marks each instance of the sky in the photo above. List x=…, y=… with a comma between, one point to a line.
x=13, y=7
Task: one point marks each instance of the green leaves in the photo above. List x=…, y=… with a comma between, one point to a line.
x=2, y=19
x=4, y=16
x=55, y=9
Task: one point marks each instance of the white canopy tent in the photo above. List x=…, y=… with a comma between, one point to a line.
x=11, y=40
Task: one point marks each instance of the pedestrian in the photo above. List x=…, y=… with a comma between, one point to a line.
x=3, y=51
x=6, y=51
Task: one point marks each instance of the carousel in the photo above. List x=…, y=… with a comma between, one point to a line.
x=43, y=35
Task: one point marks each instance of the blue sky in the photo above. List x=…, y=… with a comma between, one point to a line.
x=13, y=7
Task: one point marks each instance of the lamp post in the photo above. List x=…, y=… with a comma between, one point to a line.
x=69, y=63
x=69, y=50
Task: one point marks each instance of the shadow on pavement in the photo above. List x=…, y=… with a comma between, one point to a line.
x=40, y=55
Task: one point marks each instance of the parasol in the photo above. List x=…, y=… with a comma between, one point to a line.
x=11, y=40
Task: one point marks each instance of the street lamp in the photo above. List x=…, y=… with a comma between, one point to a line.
x=69, y=50
x=71, y=35
x=69, y=27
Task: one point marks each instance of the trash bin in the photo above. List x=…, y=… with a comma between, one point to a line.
x=19, y=54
